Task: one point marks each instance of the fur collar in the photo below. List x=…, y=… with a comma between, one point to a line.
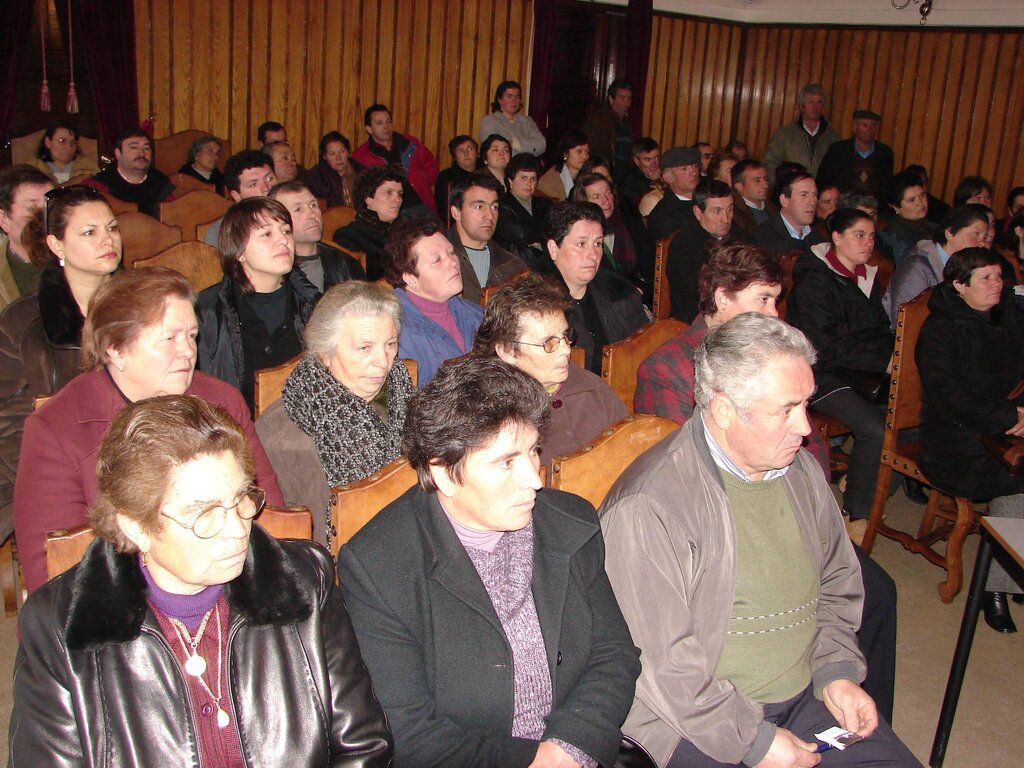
x=62, y=319
x=108, y=594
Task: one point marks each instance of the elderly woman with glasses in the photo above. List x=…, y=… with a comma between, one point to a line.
x=60, y=157
x=524, y=324
x=188, y=635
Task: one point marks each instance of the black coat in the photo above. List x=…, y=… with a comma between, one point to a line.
x=360, y=236
x=96, y=682
x=338, y=267
x=438, y=655
x=849, y=330
x=669, y=215
x=838, y=167
x=518, y=229
x=773, y=236
x=689, y=249
x=968, y=365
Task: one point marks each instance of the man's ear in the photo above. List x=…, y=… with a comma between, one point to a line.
x=445, y=485
x=723, y=412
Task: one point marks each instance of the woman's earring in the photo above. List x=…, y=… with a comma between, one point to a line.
x=60, y=261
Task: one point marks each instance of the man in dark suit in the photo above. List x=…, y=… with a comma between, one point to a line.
x=750, y=195
x=680, y=169
x=789, y=229
x=860, y=163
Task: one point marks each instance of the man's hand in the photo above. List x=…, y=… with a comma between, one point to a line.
x=1018, y=428
x=852, y=708
x=787, y=751
x=550, y=755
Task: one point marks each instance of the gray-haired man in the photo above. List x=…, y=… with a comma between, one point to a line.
x=729, y=559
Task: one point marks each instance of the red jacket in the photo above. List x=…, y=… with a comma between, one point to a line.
x=419, y=163
x=56, y=480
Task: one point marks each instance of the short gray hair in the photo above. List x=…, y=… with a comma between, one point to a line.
x=732, y=356
x=811, y=89
x=353, y=298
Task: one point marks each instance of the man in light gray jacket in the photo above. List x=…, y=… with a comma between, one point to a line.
x=807, y=139
x=729, y=560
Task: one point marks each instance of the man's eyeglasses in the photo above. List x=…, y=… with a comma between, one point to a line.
x=551, y=345
x=212, y=520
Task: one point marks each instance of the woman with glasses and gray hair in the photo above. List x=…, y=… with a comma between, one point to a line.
x=524, y=324
x=188, y=634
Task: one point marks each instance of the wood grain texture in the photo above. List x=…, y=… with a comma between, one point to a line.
x=949, y=98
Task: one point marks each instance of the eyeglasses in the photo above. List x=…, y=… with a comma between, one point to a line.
x=52, y=196
x=212, y=520
x=551, y=345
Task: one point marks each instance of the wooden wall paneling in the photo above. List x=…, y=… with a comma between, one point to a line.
x=260, y=58
x=408, y=118
x=282, y=23
x=436, y=88
x=143, y=70
x=1010, y=169
x=656, y=85
x=199, y=48
x=216, y=93
x=345, y=19
x=316, y=122
x=985, y=108
x=163, y=75
x=180, y=68
x=467, y=73
x=240, y=77
x=291, y=89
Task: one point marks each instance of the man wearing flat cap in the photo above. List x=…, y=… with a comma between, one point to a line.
x=680, y=170
x=860, y=163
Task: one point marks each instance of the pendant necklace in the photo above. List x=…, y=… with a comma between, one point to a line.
x=195, y=665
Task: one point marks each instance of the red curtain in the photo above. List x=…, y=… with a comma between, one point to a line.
x=543, y=60
x=639, y=15
x=105, y=31
x=17, y=20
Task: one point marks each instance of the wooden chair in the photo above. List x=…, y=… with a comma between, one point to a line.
x=662, y=304
x=269, y=382
x=619, y=361
x=198, y=262
x=184, y=184
x=592, y=470
x=192, y=209
x=143, y=236
x=786, y=262
x=65, y=548
x=946, y=517
x=24, y=148
x=201, y=231
x=353, y=505
x=489, y=290
x=578, y=355
x=119, y=206
x=359, y=256
x=335, y=218
x=171, y=152
x=885, y=269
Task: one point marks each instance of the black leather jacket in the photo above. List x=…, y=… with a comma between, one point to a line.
x=96, y=683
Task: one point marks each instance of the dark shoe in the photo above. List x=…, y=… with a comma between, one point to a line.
x=915, y=491
x=1018, y=598
x=997, y=613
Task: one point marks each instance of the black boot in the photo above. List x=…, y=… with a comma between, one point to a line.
x=914, y=490
x=997, y=613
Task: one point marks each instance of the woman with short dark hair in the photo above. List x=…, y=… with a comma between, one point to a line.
x=378, y=194
x=573, y=152
x=506, y=119
x=60, y=157
x=333, y=177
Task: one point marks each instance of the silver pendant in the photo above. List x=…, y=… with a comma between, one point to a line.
x=222, y=718
x=195, y=665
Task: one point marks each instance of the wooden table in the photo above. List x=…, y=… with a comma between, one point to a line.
x=1008, y=534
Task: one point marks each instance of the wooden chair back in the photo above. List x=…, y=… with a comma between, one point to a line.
x=619, y=361
x=885, y=269
x=24, y=148
x=353, y=505
x=489, y=290
x=905, y=391
x=662, y=304
x=171, y=152
x=359, y=256
x=335, y=218
x=184, y=184
x=119, y=206
x=198, y=262
x=786, y=263
x=578, y=355
x=592, y=470
x=39, y=401
x=65, y=548
x=143, y=236
x=192, y=209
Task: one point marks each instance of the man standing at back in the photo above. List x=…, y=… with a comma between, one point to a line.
x=385, y=146
x=806, y=140
x=608, y=131
x=860, y=163
x=132, y=177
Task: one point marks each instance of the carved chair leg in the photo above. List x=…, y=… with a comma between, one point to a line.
x=936, y=501
x=954, y=550
x=877, y=507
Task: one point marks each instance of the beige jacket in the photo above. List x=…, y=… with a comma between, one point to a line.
x=8, y=287
x=671, y=561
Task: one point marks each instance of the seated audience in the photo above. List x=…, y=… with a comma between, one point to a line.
x=707, y=154
x=132, y=177
x=139, y=342
x=323, y=265
x=1014, y=204
x=751, y=194
x=789, y=228
x=378, y=192
x=837, y=302
x=495, y=154
x=270, y=131
x=627, y=249
x=247, y=174
x=804, y=141
x=1013, y=244
x=680, y=170
x=608, y=127
x=521, y=214
x=963, y=227
x=721, y=166
x=480, y=599
x=22, y=191
x=973, y=189
x=644, y=173
x=732, y=524
x=79, y=247
x=524, y=324
x=606, y=307
x=385, y=146
x=254, y=318
x=505, y=120
x=286, y=167
x=482, y=260
x=737, y=149
x=558, y=181
x=937, y=209
x=201, y=163
x=59, y=156
x=909, y=224
x=971, y=359
x=827, y=197
x=341, y=413
x=465, y=153
x=437, y=325
x=860, y=163
x=199, y=629
x=334, y=176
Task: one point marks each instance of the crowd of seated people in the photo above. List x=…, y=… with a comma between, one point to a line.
x=485, y=275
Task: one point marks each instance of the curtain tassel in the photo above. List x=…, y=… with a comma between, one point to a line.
x=72, y=104
x=44, y=97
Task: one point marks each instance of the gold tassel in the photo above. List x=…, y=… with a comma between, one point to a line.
x=44, y=97
x=72, y=104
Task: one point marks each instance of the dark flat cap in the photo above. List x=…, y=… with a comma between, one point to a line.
x=677, y=156
x=866, y=114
